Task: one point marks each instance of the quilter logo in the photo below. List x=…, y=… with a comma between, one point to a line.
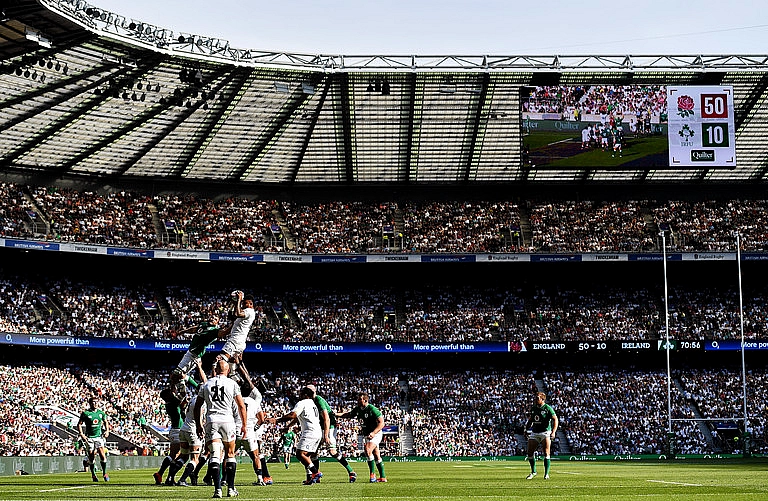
x=702, y=155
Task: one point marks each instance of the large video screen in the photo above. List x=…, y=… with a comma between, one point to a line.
x=628, y=127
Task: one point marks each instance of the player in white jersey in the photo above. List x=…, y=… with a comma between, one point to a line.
x=190, y=444
x=250, y=441
x=244, y=314
x=306, y=413
x=220, y=394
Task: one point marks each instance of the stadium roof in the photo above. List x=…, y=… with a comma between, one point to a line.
x=86, y=93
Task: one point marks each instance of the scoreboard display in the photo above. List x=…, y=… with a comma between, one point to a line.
x=629, y=127
x=701, y=131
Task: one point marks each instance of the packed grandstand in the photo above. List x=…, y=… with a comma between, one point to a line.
x=127, y=215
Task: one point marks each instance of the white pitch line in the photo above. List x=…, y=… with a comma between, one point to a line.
x=675, y=483
x=65, y=488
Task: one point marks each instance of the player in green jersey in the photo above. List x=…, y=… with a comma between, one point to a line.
x=205, y=333
x=328, y=422
x=94, y=430
x=289, y=438
x=541, y=428
x=371, y=424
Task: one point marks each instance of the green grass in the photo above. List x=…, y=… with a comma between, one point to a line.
x=537, y=140
x=635, y=148
x=440, y=481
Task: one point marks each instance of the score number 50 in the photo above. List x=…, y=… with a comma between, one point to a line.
x=714, y=134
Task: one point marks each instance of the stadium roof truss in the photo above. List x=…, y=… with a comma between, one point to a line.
x=88, y=93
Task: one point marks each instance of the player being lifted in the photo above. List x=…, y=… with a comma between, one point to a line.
x=243, y=314
x=205, y=333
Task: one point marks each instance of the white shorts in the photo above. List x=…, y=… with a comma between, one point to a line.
x=331, y=439
x=309, y=444
x=187, y=362
x=95, y=443
x=540, y=437
x=248, y=442
x=190, y=438
x=233, y=347
x=260, y=430
x=173, y=435
x=376, y=440
x=223, y=431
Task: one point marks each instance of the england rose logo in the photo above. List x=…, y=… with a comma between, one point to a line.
x=685, y=106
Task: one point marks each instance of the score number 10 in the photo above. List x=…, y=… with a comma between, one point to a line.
x=714, y=134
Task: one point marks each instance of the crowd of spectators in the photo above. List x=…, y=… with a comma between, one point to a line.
x=470, y=413
x=116, y=218
x=590, y=227
x=14, y=211
x=339, y=227
x=37, y=397
x=241, y=224
x=333, y=315
x=231, y=224
x=413, y=313
x=718, y=394
x=622, y=412
x=457, y=227
x=573, y=102
x=712, y=225
x=447, y=412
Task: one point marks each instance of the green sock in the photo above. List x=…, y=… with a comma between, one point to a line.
x=546, y=466
x=380, y=466
x=532, y=461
